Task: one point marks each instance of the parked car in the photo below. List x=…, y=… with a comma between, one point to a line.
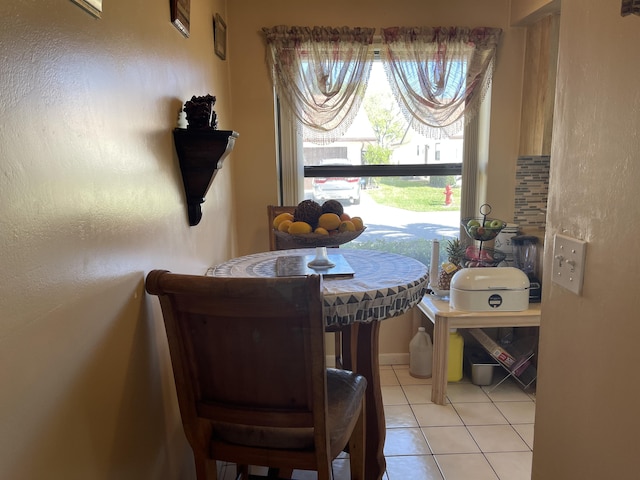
x=336, y=188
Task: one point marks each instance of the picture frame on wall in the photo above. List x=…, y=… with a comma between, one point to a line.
x=94, y=7
x=630, y=7
x=220, y=36
x=180, y=13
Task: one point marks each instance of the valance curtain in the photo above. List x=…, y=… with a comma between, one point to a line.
x=438, y=75
x=321, y=73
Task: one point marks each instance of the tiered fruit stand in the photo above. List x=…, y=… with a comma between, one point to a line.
x=482, y=229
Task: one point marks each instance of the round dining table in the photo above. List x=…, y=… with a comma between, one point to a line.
x=382, y=285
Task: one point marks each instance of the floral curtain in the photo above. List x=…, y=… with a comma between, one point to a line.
x=439, y=75
x=321, y=73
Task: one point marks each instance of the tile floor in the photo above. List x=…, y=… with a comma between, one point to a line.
x=482, y=433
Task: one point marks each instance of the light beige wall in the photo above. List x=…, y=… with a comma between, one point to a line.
x=255, y=158
x=527, y=12
x=587, y=418
x=91, y=200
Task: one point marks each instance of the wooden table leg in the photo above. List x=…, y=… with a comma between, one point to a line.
x=365, y=360
x=440, y=359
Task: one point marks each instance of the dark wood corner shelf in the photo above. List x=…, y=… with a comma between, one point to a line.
x=201, y=153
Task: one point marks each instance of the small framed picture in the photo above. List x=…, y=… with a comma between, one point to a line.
x=220, y=36
x=180, y=10
x=630, y=7
x=94, y=7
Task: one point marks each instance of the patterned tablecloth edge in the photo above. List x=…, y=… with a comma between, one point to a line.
x=374, y=309
x=344, y=309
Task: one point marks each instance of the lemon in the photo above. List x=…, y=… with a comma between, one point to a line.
x=347, y=226
x=358, y=223
x=321, y=231
x=329, y=221
x=283, y=226
x=281, y=218
x=299, y=227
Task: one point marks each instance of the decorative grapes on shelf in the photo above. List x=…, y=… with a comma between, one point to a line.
x=200, y=112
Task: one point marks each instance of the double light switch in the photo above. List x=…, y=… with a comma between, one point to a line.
x=568, y=262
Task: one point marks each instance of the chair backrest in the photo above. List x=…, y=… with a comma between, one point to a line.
x=273, y=211
x=245, y=351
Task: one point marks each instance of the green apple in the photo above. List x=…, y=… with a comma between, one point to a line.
x=496, y=224
x=473, y=223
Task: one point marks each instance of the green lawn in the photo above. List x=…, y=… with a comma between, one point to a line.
x=412, y=194
x=420, y=249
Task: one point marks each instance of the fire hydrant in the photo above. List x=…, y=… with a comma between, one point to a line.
x=448, y=195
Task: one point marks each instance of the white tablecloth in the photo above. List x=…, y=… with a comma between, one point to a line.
x=384, y=285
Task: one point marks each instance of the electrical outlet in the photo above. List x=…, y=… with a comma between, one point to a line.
x=568, y=262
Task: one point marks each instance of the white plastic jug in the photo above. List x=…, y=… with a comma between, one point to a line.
x=420, y=355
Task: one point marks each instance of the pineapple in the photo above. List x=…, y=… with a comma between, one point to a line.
x=455, y=254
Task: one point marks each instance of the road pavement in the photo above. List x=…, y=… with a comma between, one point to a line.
x=397, y=224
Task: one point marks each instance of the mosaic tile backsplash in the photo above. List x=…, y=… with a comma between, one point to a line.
x=532, y=188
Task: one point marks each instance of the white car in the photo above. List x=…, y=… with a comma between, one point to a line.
x=336, y=188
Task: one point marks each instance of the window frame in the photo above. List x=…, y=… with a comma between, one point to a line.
x=382, y=170
x=292, y=172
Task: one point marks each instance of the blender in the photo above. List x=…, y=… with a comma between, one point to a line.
x=525, y=258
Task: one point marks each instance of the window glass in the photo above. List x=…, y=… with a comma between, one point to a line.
x=404, y=186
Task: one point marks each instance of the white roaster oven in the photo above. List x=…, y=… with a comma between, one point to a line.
x=489, y=289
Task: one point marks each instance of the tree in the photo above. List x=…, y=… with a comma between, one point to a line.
x=377, y=155
x=388, y=126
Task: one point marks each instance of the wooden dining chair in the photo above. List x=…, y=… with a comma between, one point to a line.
x=248, y=358
x=276, y=243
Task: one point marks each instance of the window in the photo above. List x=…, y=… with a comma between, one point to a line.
x=380, y=170
x=378, y=166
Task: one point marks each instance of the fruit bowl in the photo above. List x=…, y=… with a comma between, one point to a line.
x=297, y=240
x=482, y=257
x=483, y=228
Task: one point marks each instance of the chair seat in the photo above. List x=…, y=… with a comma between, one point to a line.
x=345, y=391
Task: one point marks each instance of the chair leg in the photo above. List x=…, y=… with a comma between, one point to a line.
x=206, y=469
x=349, y=340
x=324, y=471
x=357, y=447
x=242, y=472
x=353, y=345
x=280, y=473
x=337, y=338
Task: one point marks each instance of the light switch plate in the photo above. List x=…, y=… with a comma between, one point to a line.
x=569, y=256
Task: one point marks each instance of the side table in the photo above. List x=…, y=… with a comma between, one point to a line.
x=445, y=318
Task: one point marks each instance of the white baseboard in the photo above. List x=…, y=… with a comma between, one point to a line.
x=393, y=359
